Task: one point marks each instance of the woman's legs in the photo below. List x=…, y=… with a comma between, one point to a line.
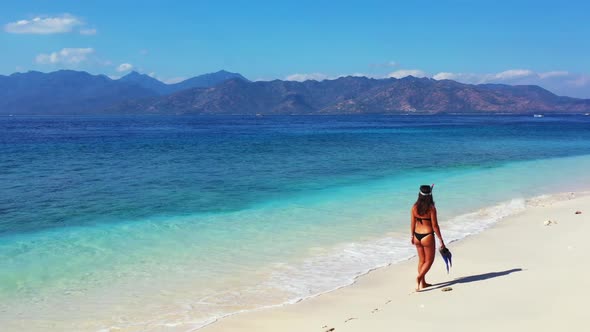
x=429, y=250
x=421, y=260
x=428, y=246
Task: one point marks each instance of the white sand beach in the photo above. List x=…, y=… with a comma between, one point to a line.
x=519, y=275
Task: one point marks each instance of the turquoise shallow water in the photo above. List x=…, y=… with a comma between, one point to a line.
x=166, y=223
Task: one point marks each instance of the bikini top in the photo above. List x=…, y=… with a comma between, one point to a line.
x=420, y=219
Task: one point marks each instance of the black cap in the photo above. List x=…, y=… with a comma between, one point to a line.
x=425, y=189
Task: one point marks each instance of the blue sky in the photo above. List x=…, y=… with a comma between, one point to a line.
x=516, y=42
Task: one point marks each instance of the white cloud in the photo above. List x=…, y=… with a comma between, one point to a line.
x=124, y=67
x=307, y=77
x=44, y=25
x=507, y=76
x=514, y=73
x=463, y=77
x=407, y=72
x=88, y=32
x=169, y=80
x=445, y=76
x=317, y=77
x=551, y=74
x=67, y=56
x=559, y=81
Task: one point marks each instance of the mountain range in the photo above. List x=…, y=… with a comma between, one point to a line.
x=356, y=95
x=161, y=88
x=73, y=92
x=78, y=92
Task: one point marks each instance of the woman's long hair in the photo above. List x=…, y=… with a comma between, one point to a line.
x=425, y=201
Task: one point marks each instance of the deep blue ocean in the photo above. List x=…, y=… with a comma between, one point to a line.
x=192, y=218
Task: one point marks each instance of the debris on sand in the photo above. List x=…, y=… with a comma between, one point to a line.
x=447, y=289
x=578, y=212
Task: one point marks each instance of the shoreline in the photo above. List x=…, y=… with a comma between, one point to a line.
x=244, y=316
x=306, y=313
x=482, y=227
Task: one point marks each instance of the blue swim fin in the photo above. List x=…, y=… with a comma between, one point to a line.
x=447, y=257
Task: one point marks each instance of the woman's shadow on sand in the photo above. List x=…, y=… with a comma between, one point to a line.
x=468, y=279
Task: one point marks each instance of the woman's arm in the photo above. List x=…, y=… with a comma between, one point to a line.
x=412, y=224
x=434, y=219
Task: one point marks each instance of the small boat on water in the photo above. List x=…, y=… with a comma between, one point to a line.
x=538, y=115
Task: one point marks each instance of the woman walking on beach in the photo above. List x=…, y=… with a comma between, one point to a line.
x=424, y=226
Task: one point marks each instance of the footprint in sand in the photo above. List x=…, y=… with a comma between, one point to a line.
x=349, y=319
x=375, y=310
x=388, y=302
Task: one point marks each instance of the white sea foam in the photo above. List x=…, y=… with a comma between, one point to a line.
x=344, y=264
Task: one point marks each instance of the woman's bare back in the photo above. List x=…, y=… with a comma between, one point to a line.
x=423, y=222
